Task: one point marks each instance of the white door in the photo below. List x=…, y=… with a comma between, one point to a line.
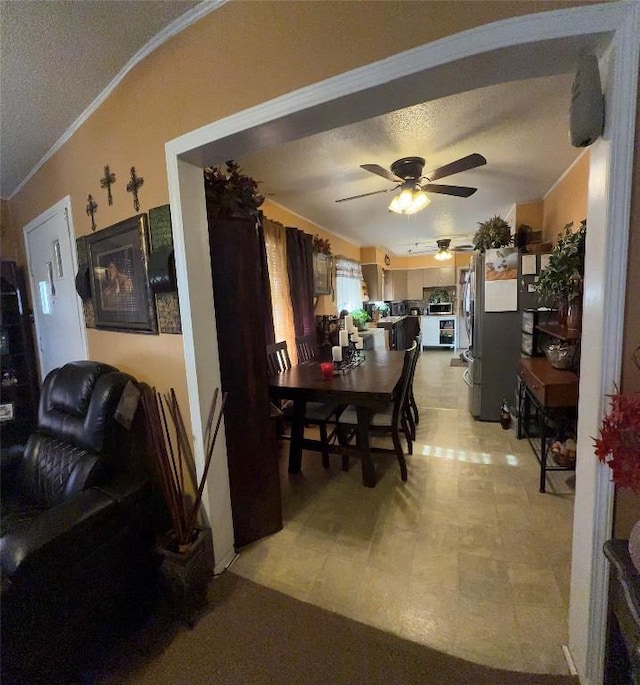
x=57, y=308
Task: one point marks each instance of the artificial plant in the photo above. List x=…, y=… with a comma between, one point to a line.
x=230, y=193
x=491, y=234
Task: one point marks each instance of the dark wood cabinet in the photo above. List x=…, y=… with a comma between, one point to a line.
x=18, y=367
x=243, y=314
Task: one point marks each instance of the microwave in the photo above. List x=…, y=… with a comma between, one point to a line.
x=440, y=307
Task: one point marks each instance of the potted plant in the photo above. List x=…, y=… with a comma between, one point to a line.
x=491, y=234
x=185, y=565
x=360, y=318
x=560, y=282
x=231, y=193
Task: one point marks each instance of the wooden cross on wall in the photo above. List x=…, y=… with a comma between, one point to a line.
x=107, y=181
x=132, y=187
x=92, y=208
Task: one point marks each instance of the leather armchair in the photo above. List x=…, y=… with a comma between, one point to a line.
x=77, y=525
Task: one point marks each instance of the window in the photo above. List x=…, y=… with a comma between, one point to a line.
x=348, y=284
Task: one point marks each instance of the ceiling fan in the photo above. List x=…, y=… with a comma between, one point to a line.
x=443, y=249
x=407, y=174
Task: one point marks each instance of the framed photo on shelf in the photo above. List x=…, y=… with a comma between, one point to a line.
x=122, y=298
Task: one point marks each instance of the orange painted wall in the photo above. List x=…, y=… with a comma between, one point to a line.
x=240, y=55
x=567, y=200
x=530, y=214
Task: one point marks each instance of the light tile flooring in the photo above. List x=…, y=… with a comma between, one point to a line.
x=466, y=556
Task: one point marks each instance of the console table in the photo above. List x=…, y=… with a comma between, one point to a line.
x=622, y=658
x=550, y=393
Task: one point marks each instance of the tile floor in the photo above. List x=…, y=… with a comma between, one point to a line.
x=466, y=556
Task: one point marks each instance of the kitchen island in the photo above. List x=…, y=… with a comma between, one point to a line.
x=402, y=330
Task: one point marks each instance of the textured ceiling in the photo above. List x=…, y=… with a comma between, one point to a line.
x=520, y=127
x=57, y=57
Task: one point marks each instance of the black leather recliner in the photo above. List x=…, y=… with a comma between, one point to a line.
x=77, y=528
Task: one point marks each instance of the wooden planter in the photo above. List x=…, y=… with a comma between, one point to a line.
x=186, y=575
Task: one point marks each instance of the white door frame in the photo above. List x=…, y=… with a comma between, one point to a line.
x=516, y=48
x=63, y=205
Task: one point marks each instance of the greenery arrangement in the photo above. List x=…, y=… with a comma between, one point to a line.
x=561, y=280
x=321, y=246
x=233, y=194
x=491, y=234
x=360, y=318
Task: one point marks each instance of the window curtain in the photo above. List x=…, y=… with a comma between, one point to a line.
x=300, y=268
x=276, y=250
x=349, y=279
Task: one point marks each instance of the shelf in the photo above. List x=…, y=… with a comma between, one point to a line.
x=560, y=332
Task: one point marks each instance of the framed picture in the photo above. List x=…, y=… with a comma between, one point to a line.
x=122, y=298
x=321, y=274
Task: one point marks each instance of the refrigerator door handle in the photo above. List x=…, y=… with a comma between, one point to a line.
x=466, y=377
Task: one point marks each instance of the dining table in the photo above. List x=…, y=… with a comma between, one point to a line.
x=369, y=387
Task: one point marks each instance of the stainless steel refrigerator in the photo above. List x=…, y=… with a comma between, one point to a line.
x=495, y=336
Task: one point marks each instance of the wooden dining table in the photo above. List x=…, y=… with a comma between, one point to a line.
x=369, y=387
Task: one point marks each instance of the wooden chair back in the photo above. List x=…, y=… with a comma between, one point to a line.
x=278, y=358
x=306, y=348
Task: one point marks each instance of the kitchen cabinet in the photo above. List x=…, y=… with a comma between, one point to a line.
x=373, y=277
x=395, y=285
x=439, y=331
x=440, y=276
x=415, y=278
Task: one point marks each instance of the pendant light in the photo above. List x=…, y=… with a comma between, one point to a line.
x=409, y=200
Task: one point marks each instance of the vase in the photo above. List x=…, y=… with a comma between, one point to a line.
x=574, y=315
x=185, y=576
x=562, y=311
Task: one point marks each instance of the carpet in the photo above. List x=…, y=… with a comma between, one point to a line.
x=457, y=361
x=251, y=635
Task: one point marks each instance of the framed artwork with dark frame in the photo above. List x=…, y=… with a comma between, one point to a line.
x=321, y=274
x=122, y=298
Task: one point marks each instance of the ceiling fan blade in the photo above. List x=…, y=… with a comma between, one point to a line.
x=375, y=192
x=381, y=171
x=458, y=191
x=462, y=164
x=462, y=248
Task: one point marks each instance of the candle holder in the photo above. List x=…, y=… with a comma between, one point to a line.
x=351, y=357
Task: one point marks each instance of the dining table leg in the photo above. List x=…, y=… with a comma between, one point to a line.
x=297, y=436
x=364, y=447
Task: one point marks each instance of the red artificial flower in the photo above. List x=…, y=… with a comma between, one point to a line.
x=619, y=441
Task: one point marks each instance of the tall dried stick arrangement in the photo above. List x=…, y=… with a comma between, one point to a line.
x=174, y=457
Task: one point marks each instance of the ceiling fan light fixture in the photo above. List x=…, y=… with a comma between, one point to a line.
x=409, y=201
x=443, y=255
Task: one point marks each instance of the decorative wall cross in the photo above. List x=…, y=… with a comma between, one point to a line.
x=132, y=187
x=92, y=208
x=107, y=181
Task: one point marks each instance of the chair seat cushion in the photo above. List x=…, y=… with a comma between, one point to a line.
x=314, y=411
x=381, y=418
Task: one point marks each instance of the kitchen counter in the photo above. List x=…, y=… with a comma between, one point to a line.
x=402, y=330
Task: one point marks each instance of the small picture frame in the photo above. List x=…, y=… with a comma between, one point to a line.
x=122, y=298
x=7, y=411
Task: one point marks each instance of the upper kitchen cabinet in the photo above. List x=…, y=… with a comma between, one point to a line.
x=372, y=274
x=439, y=276
x=415, y=278
x=395, y=285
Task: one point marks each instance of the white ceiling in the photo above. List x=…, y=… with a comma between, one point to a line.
x=520, y=127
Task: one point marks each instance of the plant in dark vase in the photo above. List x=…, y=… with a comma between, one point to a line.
x=491, y=234
x=560, y=282
x=185, y=564
x=230, y=193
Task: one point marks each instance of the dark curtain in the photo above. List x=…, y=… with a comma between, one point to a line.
x=269, y=332
x=300, y=270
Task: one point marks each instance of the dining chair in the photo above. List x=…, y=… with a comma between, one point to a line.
x=411, y=408
x=390, y=420
x=307, y=348
x=315, y=413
